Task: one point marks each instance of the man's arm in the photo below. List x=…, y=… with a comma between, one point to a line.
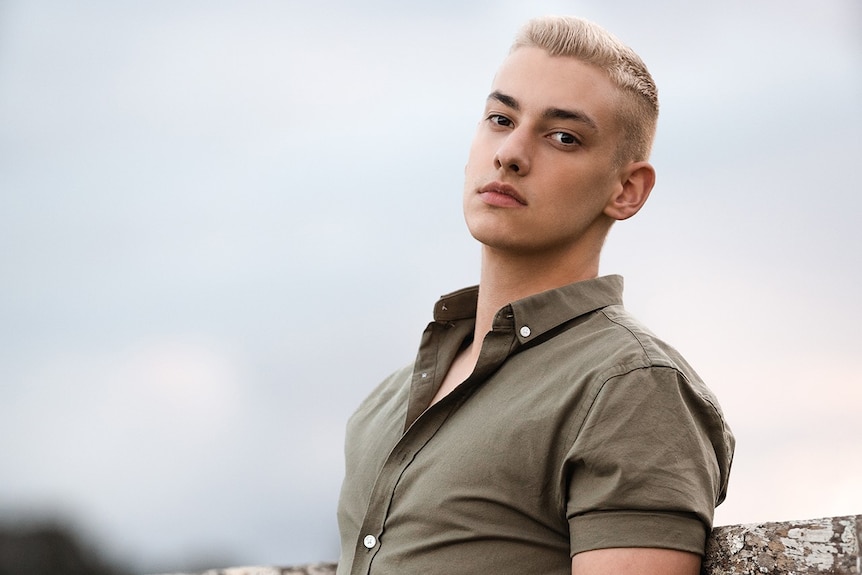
x=636, y=561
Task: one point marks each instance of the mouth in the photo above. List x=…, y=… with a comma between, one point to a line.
x=502, y=194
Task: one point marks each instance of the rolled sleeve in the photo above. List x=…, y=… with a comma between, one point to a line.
x=648, y=466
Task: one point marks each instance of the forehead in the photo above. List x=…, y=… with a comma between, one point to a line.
x=539, y=81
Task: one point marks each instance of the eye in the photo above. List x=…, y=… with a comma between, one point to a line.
x=565, y=138
x=500, y=120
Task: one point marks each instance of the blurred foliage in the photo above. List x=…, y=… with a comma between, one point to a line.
x=49, y=549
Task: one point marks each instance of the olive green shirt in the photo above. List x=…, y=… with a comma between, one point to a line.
x=577, y=430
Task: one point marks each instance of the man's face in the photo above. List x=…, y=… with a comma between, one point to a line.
x=541, y=168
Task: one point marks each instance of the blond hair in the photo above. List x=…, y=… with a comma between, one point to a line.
x=592, y=44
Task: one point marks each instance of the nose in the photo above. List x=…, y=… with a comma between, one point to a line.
x=513, y=154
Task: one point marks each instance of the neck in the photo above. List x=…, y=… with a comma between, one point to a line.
x=508, y=277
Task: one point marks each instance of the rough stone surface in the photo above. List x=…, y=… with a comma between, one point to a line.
x=829, y=546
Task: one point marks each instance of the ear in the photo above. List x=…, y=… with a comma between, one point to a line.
x=636, y=182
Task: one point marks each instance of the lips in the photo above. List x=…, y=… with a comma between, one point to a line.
x=497, y=192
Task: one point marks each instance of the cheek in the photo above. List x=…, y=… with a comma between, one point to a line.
x=472, y=169
x=481, y=154
x=471, y=158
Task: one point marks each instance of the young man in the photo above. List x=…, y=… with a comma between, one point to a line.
x=542, y=429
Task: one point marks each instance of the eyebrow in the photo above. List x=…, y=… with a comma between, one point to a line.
x=549, y=113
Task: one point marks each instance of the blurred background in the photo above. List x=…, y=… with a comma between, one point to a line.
x=223, y=222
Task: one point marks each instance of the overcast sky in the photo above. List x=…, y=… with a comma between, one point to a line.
x=223, y=222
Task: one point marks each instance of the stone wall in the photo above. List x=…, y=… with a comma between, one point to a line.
x=828, y=546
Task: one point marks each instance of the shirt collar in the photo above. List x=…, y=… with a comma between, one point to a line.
x=457, y=305
x=539, y=312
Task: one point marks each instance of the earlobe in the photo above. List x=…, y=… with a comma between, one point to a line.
x=637, y=181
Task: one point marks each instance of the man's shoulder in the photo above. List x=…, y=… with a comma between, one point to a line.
x=637, y=334
x=620, y=342
x=389, y=389
x=637, y=348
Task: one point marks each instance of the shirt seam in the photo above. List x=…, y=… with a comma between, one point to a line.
x=653, y=361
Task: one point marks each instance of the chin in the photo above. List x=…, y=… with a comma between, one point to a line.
x=500, y=242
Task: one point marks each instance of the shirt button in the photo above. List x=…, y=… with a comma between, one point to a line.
x=369, y=541
x=525, y=331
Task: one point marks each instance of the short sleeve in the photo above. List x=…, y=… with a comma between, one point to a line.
x=649, y=464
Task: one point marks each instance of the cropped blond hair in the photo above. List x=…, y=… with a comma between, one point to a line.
x=592, y=44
